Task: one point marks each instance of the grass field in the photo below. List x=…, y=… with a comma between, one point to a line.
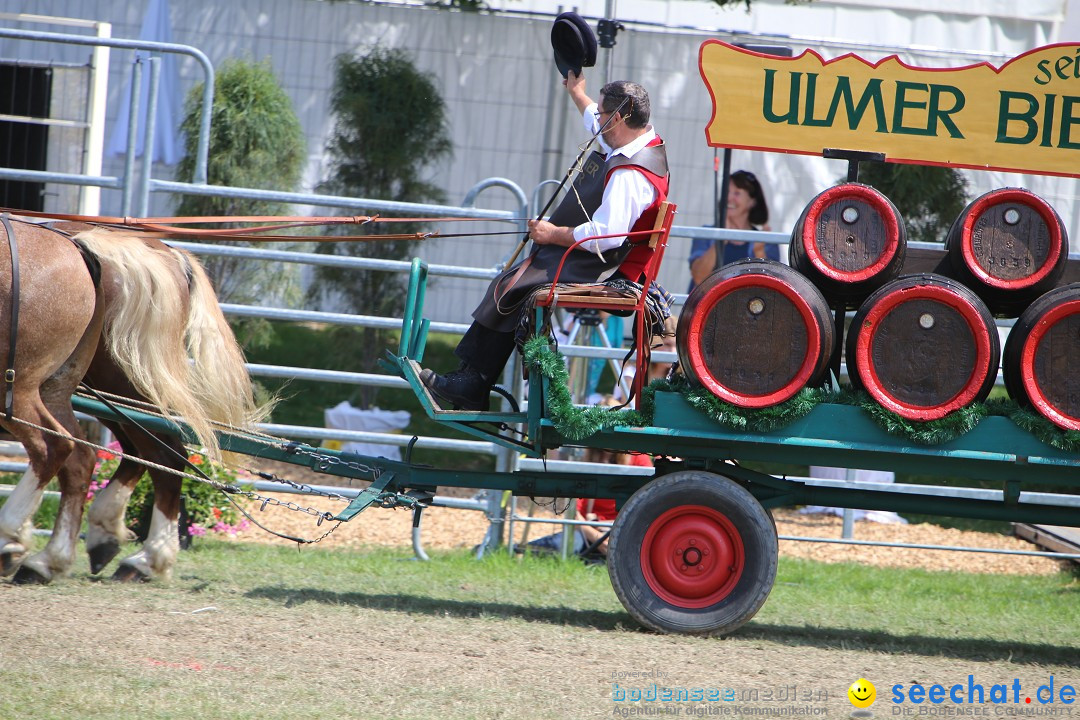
x=256, y=631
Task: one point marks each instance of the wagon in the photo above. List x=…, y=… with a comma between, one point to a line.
x=694, y=547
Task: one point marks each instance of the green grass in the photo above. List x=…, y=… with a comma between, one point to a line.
x=267, y=632
x=980, y=617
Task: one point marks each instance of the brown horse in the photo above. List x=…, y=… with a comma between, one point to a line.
x=148, y=328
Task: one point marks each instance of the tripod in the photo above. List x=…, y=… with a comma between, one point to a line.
x=588, y=329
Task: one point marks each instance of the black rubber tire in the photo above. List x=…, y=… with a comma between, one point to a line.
x=679, y=504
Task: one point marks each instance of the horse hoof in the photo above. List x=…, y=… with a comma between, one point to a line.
x=28, y=575
x=130, y=573
x=101, y=555
x=9, y=563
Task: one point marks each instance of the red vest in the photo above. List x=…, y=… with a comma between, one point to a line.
x=634, y=264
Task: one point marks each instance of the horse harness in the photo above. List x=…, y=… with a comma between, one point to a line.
x=92, y=265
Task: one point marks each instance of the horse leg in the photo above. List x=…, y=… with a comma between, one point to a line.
x=15, y=521
x=76, y=464
x=106, y=530
x=56, y=558
x=46, y=453
x=157, y=556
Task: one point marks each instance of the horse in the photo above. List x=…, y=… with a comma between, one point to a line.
x=128, y=315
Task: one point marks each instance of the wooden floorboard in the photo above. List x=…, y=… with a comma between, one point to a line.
x=1050, y=537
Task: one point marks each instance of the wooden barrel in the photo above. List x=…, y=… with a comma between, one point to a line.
x=1010, y=247
x=850, y=240
x=1042, y=354
x=754, y=333
x=923, y=346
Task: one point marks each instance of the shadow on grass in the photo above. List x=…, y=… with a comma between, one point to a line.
x=826, y=638
x=960, y=648
x=593, y=619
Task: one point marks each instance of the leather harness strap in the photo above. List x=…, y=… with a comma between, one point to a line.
x=13, y=332
x=165, y=224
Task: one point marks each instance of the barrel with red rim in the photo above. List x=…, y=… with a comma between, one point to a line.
x=923, y=346
x=1042, y=354
x=849, y=240
x=754, y=333
x=1009, y=246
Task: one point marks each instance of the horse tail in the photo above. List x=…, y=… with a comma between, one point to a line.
x=165, y=330
x=220, y=380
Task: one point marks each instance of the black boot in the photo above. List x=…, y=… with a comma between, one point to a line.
x=462, y=389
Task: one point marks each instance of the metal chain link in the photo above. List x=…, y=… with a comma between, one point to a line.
x=325, y=462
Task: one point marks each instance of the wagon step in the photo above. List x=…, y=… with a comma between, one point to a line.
x=412, y=370
x=494, y=426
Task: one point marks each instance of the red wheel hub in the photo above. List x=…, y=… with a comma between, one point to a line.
x=692, y=556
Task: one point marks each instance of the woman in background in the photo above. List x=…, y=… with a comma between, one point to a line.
x=746, y=210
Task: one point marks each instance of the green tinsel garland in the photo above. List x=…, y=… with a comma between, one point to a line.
x=929, y=432
x=1044, y=430
x=751, y=420
x=572, y=423
x=576, y=423
x=579, y=423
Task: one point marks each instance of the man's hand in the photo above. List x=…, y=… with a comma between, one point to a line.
x=575, y=86
x=544, y=233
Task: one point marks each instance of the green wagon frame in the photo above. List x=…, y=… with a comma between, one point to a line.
x=694, y=549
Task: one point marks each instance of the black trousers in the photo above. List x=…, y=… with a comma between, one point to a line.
x=486, y=350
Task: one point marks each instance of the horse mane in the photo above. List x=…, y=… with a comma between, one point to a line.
x=167, y=333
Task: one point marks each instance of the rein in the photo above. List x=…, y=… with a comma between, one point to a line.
x=168, y=225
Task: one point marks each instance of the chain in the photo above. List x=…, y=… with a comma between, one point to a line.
x=554, y=505
x=325, y=462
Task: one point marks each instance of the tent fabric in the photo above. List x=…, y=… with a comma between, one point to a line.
x=344, y=416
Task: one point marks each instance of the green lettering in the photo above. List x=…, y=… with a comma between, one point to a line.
x=902, y=104
x=808, y=114
x=1048, y=120
x=1043, y=71
x=1007, y=115
x=871, y=94
x=1068, y=119
x=938, y=114
x=791, y=117
x=1063, y=63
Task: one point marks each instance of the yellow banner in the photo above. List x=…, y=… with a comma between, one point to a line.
x=1023, y=116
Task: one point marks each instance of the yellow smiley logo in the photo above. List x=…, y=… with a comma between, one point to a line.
x=862, y=693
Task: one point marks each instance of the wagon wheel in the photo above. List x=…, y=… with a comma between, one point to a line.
x=693, y=552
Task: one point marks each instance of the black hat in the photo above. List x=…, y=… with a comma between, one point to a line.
x=574, y=43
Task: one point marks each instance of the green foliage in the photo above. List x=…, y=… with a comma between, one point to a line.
x=207, y=507
x=929, y=198
x=390, y=130
x=255, y=142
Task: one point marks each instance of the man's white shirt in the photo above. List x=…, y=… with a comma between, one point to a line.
x=627, y=194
